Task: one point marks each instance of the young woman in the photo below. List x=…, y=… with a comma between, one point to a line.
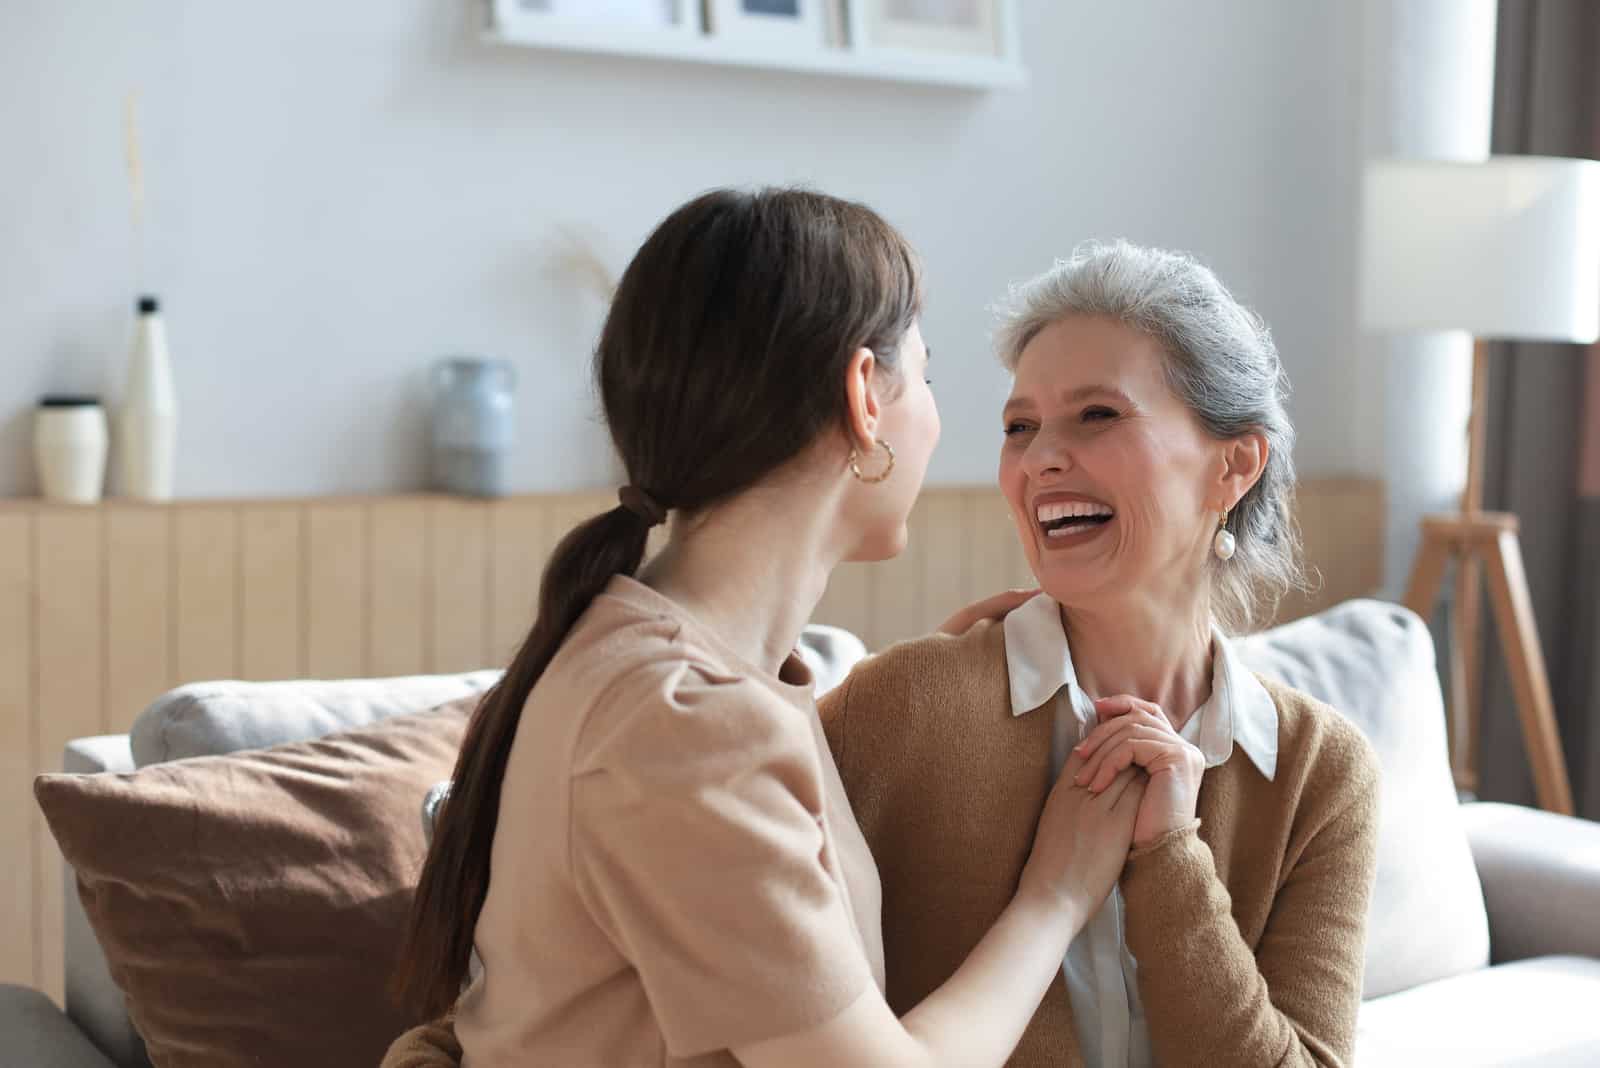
x=647, y=843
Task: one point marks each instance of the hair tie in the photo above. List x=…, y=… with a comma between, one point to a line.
x=642, y=505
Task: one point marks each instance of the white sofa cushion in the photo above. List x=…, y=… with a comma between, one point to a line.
x=830, y=653
x=213, y=718
x=1374, y=662
x=1532, y=1014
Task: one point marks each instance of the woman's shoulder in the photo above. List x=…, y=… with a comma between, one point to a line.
x=908, y=670
x=649, y=695
x=900, y=707
x=1321, y=749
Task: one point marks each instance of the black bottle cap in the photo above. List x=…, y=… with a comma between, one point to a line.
x=149, y=305
x=68, y=400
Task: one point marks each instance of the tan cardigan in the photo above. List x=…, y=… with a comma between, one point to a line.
x=1248, y=926
x=432, y=1045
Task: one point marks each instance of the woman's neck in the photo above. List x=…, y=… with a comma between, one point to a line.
x=752, y=569
x=1148, y=647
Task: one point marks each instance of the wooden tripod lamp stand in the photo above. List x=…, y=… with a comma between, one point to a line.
x=1506, y=248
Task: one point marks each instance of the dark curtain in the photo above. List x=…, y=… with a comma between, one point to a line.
x=1544, y=408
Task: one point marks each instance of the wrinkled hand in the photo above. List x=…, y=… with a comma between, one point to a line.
x=995, y=607
x=1083, y=840
x=1135, y=733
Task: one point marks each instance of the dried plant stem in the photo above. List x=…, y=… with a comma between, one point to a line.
x=130, y=133
x=578, y=258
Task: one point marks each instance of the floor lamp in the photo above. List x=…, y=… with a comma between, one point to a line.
x=1506, y=248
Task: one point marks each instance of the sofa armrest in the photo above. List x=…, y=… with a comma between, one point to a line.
x=95, y=1004
x=36, y=1034
x=1541, y=880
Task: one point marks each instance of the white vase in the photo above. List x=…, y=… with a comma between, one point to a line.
x=70, y=441
x=147, y=429
x=473, y=425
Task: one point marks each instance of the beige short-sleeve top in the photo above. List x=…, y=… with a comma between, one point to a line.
x=675, y=868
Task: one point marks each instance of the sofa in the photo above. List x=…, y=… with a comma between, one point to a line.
x=1484, y=932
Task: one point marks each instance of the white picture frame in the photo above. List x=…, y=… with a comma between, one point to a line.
x=775, y=24
x=671, y=18
x=978, y=29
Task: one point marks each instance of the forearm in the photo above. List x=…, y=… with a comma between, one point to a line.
x=1182, y=931
x=979, y=1014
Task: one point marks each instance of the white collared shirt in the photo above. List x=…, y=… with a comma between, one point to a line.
x=1101, y=974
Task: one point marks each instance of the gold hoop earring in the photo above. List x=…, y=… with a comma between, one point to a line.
x=855, y=464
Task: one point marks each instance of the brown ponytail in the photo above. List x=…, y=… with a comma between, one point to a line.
x=722, y=358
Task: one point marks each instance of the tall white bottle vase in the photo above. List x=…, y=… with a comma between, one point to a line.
x=147, y=429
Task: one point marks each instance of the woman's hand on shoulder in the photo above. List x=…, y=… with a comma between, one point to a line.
x=1136, y=733
x=996, y=607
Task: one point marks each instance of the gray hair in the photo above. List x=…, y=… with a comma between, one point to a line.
x=1221, y=362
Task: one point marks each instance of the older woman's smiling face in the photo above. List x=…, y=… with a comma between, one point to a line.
x=1112, y=482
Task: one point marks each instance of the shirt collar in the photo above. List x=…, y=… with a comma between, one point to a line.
x=1239, y=711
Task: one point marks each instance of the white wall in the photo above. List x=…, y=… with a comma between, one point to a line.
x=340, y=193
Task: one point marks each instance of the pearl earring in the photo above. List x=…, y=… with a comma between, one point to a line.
x=1223, y=544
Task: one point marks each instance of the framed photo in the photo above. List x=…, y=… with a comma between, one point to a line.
x=780, y=23
x=633, y=16
x=960, y=27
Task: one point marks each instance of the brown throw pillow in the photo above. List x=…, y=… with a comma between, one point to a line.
x=251, y=905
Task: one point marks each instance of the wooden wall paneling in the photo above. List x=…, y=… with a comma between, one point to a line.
x=271, y=592
x=101, y=608
x=524, y=531
x=139, y=611
x=997, y=560
x=1360, y=554
x=565, y=511
x=1342, y=527
x=336, y=567
x=71, y=657
x=570, y=509
x=399, y=632
x=206, y=573
x=847, y=602
x=945, y=535
x=458, y=542
x=897, y=588
x=519, y=544
x=20, y=944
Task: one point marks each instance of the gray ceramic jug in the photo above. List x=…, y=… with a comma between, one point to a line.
x=473, y=425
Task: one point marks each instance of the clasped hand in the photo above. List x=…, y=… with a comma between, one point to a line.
x=1135, y=733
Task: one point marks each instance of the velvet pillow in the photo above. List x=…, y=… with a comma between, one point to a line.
x=251, y=905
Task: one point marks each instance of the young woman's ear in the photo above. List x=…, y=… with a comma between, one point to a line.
x=862, y=410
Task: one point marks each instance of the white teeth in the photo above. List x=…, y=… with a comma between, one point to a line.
x=1049, y=513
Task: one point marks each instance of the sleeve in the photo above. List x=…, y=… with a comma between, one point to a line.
x=432, y=1045
x=1292, y=1002
x=834, y=708
x=698, y=842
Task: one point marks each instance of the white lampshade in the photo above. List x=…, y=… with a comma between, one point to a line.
x=1504, y=248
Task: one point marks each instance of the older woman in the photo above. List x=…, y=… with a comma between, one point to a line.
x=1147, y=466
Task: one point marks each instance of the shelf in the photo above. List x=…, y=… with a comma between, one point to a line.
x=954, y=71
